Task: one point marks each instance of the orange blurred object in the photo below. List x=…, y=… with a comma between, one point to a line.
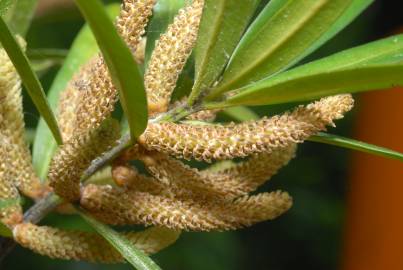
x=46, y=6
x=374, y=224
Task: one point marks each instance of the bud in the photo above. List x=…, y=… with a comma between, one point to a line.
x=128, y=177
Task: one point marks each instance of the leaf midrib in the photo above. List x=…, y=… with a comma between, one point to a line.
x=346, y=65
x=234, y=100
x=297, y=26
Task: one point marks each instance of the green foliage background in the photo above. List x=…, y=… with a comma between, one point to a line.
x=309, y=236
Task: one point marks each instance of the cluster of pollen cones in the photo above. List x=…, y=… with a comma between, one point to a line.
x=170, y=196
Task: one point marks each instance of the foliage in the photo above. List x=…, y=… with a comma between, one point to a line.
x=243, y=57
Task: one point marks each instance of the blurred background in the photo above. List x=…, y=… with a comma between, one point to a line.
x=347, y=206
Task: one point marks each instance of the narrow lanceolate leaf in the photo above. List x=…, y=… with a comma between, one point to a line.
x=356, y=145
x=222, y=25
x=134, y=256
x=163, y=14
x=376, y=65
x=47, y=54
x=241, y=113
x=122, y=67
x=5, y=231
x=29, y=79
x=284, y=33
x=185, y=81
x=83, y=48
x=4, y=6
x=20, y=15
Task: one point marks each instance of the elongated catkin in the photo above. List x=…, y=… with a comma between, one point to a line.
x=85, y=246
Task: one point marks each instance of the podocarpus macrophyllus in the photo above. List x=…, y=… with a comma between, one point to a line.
x=173, y=196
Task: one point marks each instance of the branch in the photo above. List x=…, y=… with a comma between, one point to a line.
x=107, y=157
x=34, y=214
x=44, y=206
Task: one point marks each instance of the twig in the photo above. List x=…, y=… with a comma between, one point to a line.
x=100, y=162
x=34, y=214
x=44, y=206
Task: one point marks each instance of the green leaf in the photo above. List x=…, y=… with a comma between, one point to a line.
x=284, y=33
x=376, y=65
x=185, y=81
x=241, y=113
x=356, y=145
x=4, y=6
x=5, y=231
x=83, y=48
x=41, y=67
x=9, y=202
x=222, y=25
x=164, y=12
x=122, y=67
x=44, y=59
x=47, y=54
x=134, y=256
x=29, y=79
x=30, y=135
x=20, y=15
